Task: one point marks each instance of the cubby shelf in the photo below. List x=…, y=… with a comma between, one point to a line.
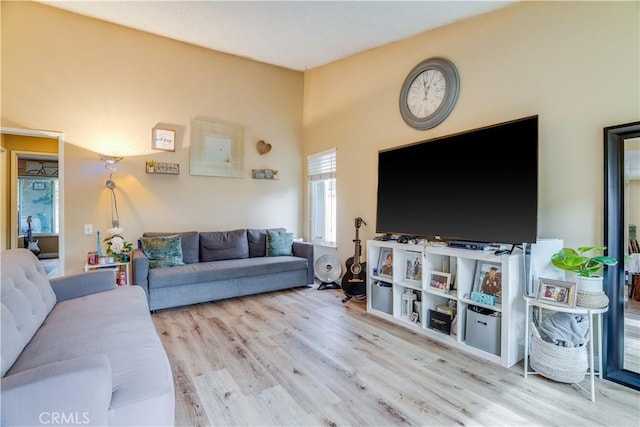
x=460, y=265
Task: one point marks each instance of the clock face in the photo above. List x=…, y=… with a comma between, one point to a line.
x=426, y=93
x=429, y=93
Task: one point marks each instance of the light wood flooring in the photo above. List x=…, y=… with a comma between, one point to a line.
x=301, y=357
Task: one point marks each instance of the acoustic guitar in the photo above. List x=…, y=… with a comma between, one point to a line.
x=29, y=242
x=354, y=279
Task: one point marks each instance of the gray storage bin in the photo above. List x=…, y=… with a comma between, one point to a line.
x=483, y=330
x=382, y=297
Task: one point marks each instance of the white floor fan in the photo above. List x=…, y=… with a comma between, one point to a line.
x=328, y=270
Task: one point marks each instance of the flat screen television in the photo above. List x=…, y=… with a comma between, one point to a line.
x=480, y=185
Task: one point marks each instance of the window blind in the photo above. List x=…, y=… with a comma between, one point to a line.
x=322, y=165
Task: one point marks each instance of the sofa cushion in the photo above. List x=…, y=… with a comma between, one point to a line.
x=257, y=238
x=163, y=251
x=221, y=245
x=279, y=243
x=223, y=270
x=190, y=244
x=27, y=299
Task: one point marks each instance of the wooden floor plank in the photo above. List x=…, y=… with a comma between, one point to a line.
x=302, y=357
x=224, y=402
x=189, y=407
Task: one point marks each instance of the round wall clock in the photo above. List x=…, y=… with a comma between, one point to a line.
x=429, y=93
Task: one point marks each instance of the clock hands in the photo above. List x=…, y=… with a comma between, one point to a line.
x=426, y=93
x=429, y=75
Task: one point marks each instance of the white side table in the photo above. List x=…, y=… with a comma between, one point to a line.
x=117, y=266
x=591, y=312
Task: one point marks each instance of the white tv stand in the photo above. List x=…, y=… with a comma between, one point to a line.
x=461, y=264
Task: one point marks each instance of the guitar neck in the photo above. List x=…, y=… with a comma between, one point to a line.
x=356, y=252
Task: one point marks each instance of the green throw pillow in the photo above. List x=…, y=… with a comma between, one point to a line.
x=279, y=243
x=163, y=251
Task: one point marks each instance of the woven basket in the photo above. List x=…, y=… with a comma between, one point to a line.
x=562, y=364
x=592, y=299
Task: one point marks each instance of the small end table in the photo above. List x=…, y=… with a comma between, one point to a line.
x=591, y=312
x=117, y=266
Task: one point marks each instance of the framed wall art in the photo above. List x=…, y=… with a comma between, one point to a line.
x=163, y=139
x=216, y=148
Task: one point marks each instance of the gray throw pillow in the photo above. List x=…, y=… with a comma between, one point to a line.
x=279, y=243
x=163, y=251
x=219, y=245
x=257, y=238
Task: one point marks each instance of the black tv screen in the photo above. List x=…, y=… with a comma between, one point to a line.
x=480, y=185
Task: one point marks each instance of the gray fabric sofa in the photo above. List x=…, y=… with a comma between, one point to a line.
x=79, y=350
x=219, y=265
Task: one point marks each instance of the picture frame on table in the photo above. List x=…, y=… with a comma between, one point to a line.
x=415, y=317
x=385, y=263
x=439, y=281
x=557, y=292
x=488, y=278
x=413, y=266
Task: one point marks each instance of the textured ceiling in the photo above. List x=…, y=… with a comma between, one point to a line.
x=293, y=34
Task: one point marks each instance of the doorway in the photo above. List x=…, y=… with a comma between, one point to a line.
x=33, y=194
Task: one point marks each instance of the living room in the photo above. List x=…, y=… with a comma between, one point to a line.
x=575, y=64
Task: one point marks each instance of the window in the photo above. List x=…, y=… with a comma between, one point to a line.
x=321, y=169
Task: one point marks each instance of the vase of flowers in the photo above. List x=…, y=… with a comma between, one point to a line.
x=117, y=247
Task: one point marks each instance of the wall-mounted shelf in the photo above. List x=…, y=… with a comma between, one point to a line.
x=265, y=174
x=158, y=168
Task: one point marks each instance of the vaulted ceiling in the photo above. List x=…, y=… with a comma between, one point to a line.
x=293, y=34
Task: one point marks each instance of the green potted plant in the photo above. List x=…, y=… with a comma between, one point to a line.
x=586, y=268
x=151, y=166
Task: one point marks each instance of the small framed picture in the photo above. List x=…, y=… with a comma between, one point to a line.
x=439, y=281
x=415, y=317
x=557, y=292
x=413, y=267
x=385, y=262
x=488, y=278
x=163, y=139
